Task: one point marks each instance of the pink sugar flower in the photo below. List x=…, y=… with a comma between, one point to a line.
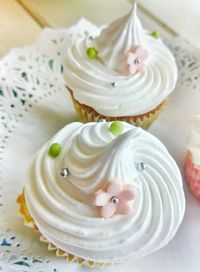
x=114, y=198
x=134, y=60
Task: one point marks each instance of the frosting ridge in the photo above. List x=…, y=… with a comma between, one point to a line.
x=120, y=36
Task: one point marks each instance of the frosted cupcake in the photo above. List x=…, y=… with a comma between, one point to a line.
x=102, y=193
x=192, y=162
x=124, y=74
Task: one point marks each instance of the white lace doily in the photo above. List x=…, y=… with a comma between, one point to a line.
x=34, y=104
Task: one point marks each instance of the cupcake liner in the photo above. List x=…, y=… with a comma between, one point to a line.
x=28, y=221
x=88, y=114
x=192, y=175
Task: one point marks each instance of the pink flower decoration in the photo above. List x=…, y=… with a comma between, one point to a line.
x=114, y=198
x=134, y=59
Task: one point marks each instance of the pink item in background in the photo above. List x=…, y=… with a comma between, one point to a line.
x=192, y=175
x=192, y=162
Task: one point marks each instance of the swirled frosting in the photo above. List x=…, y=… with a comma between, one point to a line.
x=118, y=38
x=91, y=79
x=62, y=209
x=194, y=139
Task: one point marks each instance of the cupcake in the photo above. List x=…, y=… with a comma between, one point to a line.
x=125, y=73
x=192, y=162
x=103, y=193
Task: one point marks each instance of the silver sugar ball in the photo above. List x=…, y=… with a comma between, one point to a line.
x=102, y=120
x=113, y=84
x=114, y=199
x=137, y=61
x=91, y=37
x=64, y=173
x=141, y=166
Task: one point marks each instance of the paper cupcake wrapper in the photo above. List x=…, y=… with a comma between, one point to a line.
x=88, y=114
x=192, y=175
x=28, y=221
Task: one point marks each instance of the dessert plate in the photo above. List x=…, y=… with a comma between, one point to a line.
x=34, y=105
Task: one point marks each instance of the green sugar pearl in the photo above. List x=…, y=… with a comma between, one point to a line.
x=92, y=53
x=116, y=128
x=54, y=150
x=155, y=34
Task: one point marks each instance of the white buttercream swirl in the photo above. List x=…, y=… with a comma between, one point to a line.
x=91, y=79
x=194, y=139
x=62, y=209
x=118, y=38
